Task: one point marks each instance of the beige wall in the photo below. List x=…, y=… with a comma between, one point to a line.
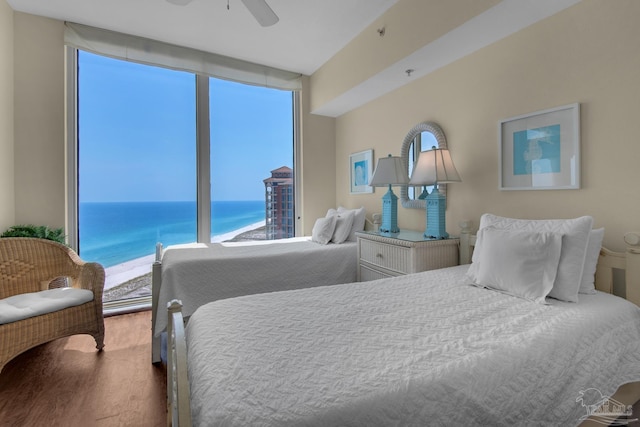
x=7, y=197
x=39, y=121
x=317, y=163
x=587, y=54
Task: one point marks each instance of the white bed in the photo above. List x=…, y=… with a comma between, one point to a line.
x=423, y=349
x=200, y=273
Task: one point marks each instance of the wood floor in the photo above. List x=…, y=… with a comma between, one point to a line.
x=68, y=383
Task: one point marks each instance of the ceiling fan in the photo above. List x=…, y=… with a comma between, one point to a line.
x=258, y=8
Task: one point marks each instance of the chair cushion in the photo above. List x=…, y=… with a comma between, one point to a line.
x=23, y=306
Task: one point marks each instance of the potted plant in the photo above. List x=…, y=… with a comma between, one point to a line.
x=36, y=231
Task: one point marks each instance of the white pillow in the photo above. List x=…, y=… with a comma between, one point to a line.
x=574, y=247
x=344, y=221
x=587, y=284
x=358, y=221
x=323, y=230
x=518, y=263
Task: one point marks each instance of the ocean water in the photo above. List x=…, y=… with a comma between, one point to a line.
x=113, y=233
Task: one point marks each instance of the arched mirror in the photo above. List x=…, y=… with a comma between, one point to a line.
x=422, y=137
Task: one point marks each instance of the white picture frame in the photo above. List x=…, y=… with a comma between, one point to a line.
x=540, y=150
x=360, y=172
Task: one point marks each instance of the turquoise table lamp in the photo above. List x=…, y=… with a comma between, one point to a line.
x=389, y=171
x=435, y=167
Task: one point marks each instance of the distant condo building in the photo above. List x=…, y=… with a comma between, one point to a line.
x=279, y=204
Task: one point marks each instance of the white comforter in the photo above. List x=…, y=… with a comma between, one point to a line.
x=413, y=350
x=199, y=273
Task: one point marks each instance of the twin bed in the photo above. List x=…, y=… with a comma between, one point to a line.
x=199, y=273
x=422, y=349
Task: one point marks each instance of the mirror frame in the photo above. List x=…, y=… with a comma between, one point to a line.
x=437, y=132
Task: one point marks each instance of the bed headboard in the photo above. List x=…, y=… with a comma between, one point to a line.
x=608, y=262
x=373, y=224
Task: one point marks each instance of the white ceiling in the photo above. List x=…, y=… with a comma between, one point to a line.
x=308, y=34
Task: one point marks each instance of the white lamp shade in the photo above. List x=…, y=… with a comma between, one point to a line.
x=389, y=171
x=434, y=167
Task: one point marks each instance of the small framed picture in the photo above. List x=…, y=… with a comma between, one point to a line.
x=360, y=171
x=541, y=150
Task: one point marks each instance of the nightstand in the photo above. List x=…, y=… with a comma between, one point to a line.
x=395, y=254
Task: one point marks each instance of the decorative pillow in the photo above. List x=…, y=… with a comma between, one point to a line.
x=331, y=212
x=587, y=284
x=323, y=230
x=518, y=263
x=358, y=221
x=574, y=247
x=344, y=222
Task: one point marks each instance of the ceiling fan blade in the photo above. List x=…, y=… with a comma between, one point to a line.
x=180, y=2
x=262, y=12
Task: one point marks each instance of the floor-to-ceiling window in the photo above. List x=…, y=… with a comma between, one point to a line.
x=137, y=157
x=251, y=131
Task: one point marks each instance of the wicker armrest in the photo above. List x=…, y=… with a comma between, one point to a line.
x=91, y=277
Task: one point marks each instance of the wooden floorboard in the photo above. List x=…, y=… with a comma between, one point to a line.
x=68, y=383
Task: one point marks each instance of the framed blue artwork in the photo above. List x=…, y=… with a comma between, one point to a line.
x=541, y=150
x=360, y=171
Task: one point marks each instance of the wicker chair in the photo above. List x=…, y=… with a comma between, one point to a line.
x=30, y=265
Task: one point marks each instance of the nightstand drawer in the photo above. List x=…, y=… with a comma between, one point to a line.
x=391, y=257
x=403, y=253
x=367, y=273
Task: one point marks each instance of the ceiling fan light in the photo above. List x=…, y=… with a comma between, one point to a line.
x=261, y=11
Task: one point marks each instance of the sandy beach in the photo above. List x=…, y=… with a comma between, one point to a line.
x=132, y=278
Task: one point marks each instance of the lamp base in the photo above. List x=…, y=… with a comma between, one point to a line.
x=389, y=213
x=424, y=193
x=436, y=215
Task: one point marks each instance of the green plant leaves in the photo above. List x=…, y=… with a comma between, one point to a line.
x=36, y=231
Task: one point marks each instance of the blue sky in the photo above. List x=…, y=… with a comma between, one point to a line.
x=137, y=134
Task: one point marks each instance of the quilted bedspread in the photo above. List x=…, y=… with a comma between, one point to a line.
x=200, y=273
x=417, y=350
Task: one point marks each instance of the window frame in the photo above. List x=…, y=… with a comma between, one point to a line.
x=203, y=167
